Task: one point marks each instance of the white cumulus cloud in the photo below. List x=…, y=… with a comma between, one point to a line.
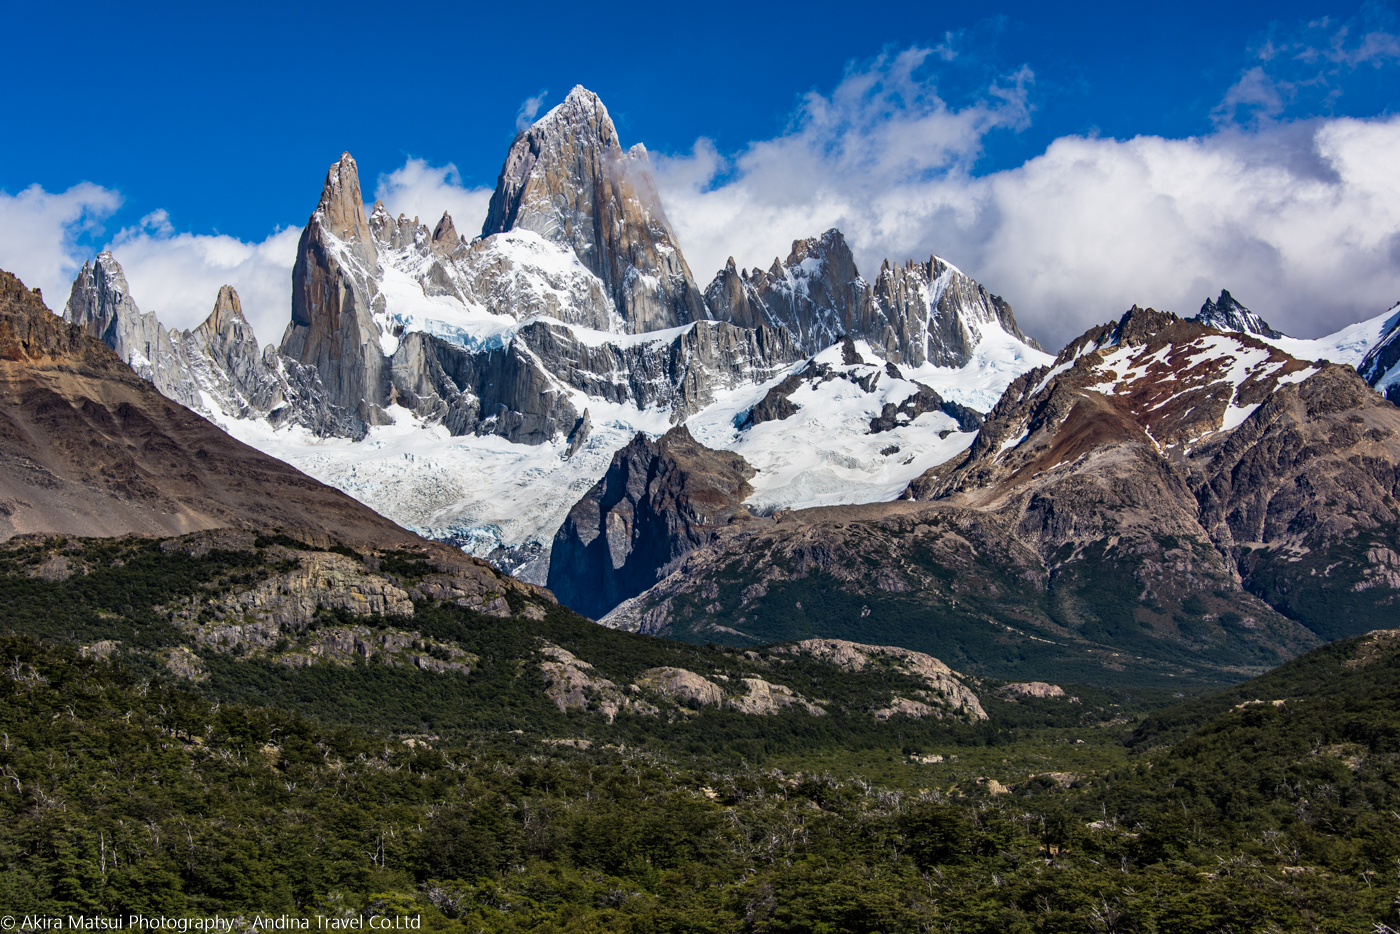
x=417, y=189
x=39, y=231
x=178, y=275
x=1300, y=220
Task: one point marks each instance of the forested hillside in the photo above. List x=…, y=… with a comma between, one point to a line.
x=242, y=781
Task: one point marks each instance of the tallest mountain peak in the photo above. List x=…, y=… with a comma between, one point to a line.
x=568, y=179
x=581, y=112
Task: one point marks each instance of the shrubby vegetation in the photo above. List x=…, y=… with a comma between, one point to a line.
x=372, y=789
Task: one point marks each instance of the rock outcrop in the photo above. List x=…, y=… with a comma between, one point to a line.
x=1031, y=689
x=568, y=179
x=573, y=684
x=945, y=689
x=659, y=500
x=682, y=685
x=766, y=698
x=913, y=314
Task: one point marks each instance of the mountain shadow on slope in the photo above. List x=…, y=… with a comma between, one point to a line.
x=658, y=501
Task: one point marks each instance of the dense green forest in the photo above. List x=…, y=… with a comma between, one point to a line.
x=369, y=789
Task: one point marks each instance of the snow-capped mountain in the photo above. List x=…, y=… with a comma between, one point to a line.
x=1356, y=345
x=915, y=313
x=1381, y=365
x=473, y=389
x=1227, y=314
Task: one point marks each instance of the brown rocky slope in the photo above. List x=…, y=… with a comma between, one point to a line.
x=1164, y=500
x=90, y=449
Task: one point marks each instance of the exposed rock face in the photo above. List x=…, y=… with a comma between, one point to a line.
x=925, y=400
x=658, y=501
x=324, y=580
x=524, y=391
x=214, y=369
x=101, y=304
x=1302, y=496
x=567, y=179
x=765, y=698
x=1381, y=365
x=946, y=690
x=573, y=685
x=334, y=292
x=914, y=313
x=680, y=684
x=1032, y=689
x=1227, y=314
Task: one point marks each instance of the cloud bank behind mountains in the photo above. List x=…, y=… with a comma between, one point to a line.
x=1300, y=220
x=39, y=233
x=178, y=275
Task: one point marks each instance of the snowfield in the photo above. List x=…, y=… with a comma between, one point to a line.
x=505, y=501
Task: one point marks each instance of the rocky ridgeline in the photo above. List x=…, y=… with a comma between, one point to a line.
x=92, y=449
x=915, y=313
x=1227, y=314
x=214, y=368
x=279, y=607
x=1162, y=491
x=575, y=237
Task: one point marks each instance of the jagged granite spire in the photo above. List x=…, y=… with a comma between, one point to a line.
x=568, y=179
x=445, y=238
x=915, y=312
x=334, y=290
x=1227, y=314
x=100, y=302
x=342, y=208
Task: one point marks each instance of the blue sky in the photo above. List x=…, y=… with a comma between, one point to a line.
x=195, y=122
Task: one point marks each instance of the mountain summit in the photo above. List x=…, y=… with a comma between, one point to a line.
x=1227, y=314
x=334, y=284
x=915, y=313
x=568, y=179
